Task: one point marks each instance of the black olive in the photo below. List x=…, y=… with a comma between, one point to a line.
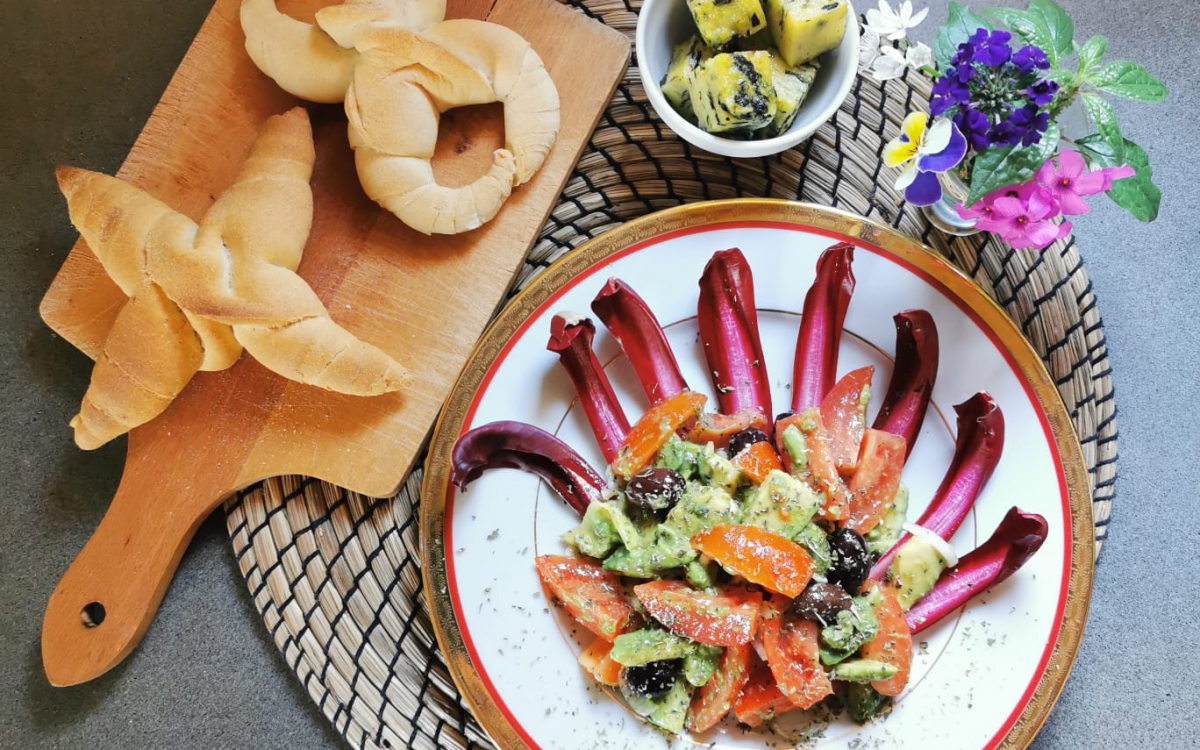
x=851, y=559
x=655, y=489
x=784, y=415
x=743, y=439
x=653, y=680
x=821, y=602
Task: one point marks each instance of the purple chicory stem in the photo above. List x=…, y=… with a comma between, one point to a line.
x=571, y=338
x=516, y=445
x=913, y=377
x=728, y=323
x=1014, y=542
x=633, y=325
x=976, y=453
x=825, y=306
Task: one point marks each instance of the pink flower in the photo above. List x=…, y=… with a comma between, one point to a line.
x=1069, y=183
x=1025, y=220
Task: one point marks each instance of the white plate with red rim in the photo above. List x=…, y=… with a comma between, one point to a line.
x=983, y=678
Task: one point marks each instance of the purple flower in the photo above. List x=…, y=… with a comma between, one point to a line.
x=964, y=73
x=947, y=92
x=965, y=54
x=1029, y=57
x=991, y=48
x=975, y=127
x=1025, y=222
x=1024, y=126
x=1042, y=92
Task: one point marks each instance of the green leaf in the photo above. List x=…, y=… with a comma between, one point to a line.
x=1011, y=165
x=1138, y=194
x=1102, y=116
x=1090, y=54
x=1130, y=80
x=1058, y=26
x=1028, y=28
x=959, y=26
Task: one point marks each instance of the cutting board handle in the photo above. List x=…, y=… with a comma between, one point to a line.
x=102, y=606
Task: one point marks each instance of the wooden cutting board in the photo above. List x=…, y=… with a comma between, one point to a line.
x=424, y=300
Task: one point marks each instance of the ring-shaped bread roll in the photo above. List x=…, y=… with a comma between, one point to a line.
x=402, y=83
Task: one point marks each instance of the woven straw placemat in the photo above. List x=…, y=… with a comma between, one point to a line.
x=335, y=575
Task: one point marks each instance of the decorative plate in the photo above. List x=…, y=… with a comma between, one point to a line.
x=982, y=679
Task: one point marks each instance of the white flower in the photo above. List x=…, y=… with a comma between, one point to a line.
x=890, y=64
x=892, y=24
x=919, y=56
x=868, y=49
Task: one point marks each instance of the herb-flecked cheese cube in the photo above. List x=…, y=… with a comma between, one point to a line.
x=732, y=91
x=719, y=21
x=805, y=29
x=791, y=88
x=676, y=84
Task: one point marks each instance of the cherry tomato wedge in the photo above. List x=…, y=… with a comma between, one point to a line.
x=718, y=428
x=757, y=461
x=893, y=644
x=761, y=699
x=713, y=701
x=594, y=659
x=653, y=430
x=844, y=411
x=594, y=596
x=794, y=656
x=772, y=561
x=819, y=471
x=874, y=484
x=727, y=618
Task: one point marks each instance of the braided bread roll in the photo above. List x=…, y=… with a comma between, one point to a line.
x=199, y=293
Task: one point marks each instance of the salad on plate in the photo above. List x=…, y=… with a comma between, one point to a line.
x=731, y=563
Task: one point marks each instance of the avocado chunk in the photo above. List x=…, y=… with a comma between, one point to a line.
x=795, y=447
x=699, y=575
x=647, y=645
x=847, y=634
x=700, y=509
x=701, y=663
x=781, y=504
x=915, y=569
x=604, y=526
x=720, y=21
x=865, y=702
x=686, y=458
x=813, y=539
x=722, y=472
x=732, y=92
x=669, y=549
x=668, y=712
x=887, y=532
x=862, y=670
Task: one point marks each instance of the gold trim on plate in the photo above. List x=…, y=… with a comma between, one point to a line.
x=437, y=465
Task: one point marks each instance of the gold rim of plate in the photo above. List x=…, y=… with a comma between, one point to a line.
x=524, y=304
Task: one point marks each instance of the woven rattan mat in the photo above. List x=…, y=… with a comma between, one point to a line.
x=335, y=576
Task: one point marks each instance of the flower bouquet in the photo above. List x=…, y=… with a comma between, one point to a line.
x=996, y=152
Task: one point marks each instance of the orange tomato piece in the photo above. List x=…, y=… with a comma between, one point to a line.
x=726, y=618
x=893, y=644
x=646, y=438
x=712, y=701
x=594, y=596
x=761, y=699
x=874, y=484
x=819, y=471
x=772, y=561
x=794, y=656
x=594, y=659
x=758, y=460
x=844, y=411
x=717, y=428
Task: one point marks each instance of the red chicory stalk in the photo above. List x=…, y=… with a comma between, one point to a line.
x=1010, y=546
x=633, y=325
x=728, y=323
x=815, y=369
x=976, y=453
x=913, y=377
x=571, y=338
x=516, y=445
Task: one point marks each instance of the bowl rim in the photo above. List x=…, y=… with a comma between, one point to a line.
x=727, y=146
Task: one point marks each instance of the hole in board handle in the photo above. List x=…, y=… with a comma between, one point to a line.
x=92, y=614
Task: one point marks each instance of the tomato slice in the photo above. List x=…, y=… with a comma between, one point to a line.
x=727, y=618
x=713, y=701
x=594, y=596
x=875, y=482
x=772, y=561
x=758, y=460
x=794, y=656
x=893, y=644
x=594, y=659
x=820, y=471
x=844, y=411
x=646, y=438
x=761, y=699
x=717, y=428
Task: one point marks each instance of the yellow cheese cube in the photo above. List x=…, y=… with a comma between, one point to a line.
x=805, y=29
x=676, y=84
x=719, y=21
x=791, y=88
x=732, y=92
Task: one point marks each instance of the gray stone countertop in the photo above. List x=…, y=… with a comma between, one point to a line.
x=78, y=81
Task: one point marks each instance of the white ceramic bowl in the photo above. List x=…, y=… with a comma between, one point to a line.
x=662, y=24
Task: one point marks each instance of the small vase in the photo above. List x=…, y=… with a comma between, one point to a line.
x=942, y=214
